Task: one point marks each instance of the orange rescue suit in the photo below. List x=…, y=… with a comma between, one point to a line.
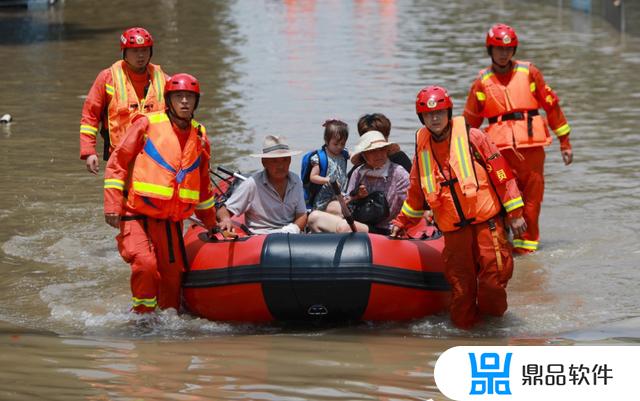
x=510, y=102
x=451, y=177
x=116, y=97
x=168, y=182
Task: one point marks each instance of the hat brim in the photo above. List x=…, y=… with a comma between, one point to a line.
x=392, y=147
x=276, y=154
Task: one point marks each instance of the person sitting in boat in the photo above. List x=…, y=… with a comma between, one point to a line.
x=326, y=165
x=376, y=184
x=380, y=122
x=272, y=200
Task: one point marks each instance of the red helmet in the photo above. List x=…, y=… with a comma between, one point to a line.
x=135, y=37
x=502, y=35
x=182, y=82
x=432, y=98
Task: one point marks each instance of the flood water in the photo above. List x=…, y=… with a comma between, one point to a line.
x=284, y=67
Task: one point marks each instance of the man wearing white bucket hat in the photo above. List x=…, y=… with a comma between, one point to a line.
x=272, y=199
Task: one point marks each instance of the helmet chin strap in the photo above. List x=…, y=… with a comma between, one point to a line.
x=440, y=137
x=174, y=116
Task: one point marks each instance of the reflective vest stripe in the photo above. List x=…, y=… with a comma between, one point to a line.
x=120, y=83
x=532, y=87
x=114, y=183
x=156, y=118
x=427, y=172
x=481, y=96
x=486, y=75
x=513, y=204
x=563, y=130
x=208, y=204
x=151, y=150
x=525, y=244
x=159, y=84
x=410, y=212
x=88, y=130
x=109, y=89
x=189, y=194
x=148, y=302
x=462, y=155
x=145, y=187
x=522, y=68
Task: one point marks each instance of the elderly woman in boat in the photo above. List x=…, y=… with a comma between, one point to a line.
x=375, y=176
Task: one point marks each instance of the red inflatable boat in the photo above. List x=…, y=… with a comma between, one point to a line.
x=303, y=277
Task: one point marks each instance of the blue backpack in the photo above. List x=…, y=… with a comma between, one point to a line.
x=311, y=189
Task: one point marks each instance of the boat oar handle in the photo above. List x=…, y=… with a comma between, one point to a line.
x=231, y=173
x=343, y=205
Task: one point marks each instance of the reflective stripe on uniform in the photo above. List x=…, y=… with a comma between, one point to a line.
x=145, y=187
x=109, y=89
x=88, y=130
x=189, y=194
x=208, y=204
x=411, y=212
x=460, y=147
x=525, y=244
x=513, y=204
x=427, y=171
x=157, y=118
x=121, y=85
x=159, y=82
x=114, y=183
x=488, y=74
x=563, y=130
x=148, y=302
x=521, y=68
x=532, y=87
x=481, y=96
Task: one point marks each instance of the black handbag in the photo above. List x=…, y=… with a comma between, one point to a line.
x=372, y=209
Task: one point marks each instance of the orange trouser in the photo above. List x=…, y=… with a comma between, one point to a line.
x=156, y=262
x=478, y=281
x=529, y=173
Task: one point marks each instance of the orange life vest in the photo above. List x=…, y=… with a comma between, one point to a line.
x=512, y=110
x=473, y=200
x=125, y=105
x=165, y=181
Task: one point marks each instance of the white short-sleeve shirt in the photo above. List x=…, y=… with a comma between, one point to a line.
x=262, y=206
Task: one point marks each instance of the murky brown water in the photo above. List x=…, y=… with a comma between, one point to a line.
x=284, y=67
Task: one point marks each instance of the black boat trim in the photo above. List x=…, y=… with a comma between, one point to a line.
x=431, y=281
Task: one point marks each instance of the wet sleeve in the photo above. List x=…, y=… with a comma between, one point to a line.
x=205, y=209
x=117, y=170
x=414, y=205
x=94, y=105
x=475, y=104
x=508, y=192
x=549, y=101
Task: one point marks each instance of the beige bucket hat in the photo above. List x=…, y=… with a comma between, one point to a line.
x=275, y=146
x=371, y=140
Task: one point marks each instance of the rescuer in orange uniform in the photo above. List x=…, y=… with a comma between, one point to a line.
x=130, y=86
x=465, y=181
x=509, y=94
x=163, y=161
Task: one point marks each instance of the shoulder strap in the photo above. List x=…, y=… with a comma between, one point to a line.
x=323, y=161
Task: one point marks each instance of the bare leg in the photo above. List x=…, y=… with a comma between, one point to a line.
x=334, y=208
